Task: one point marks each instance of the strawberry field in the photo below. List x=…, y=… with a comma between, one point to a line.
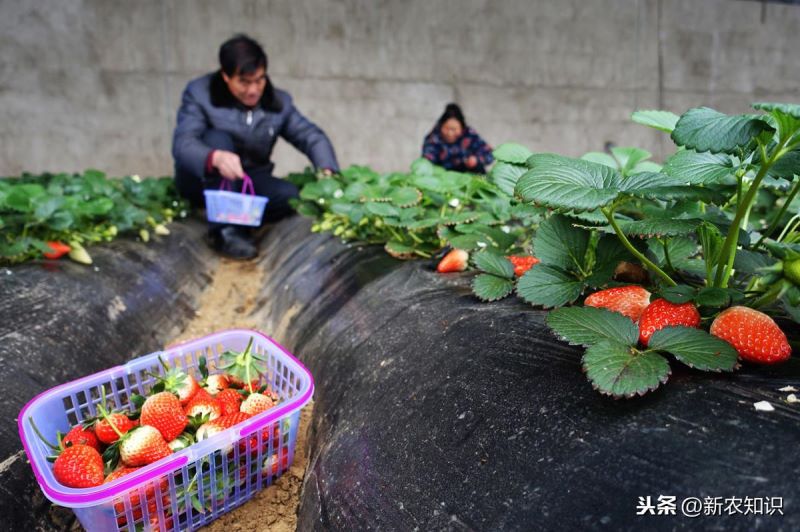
x=488, y=350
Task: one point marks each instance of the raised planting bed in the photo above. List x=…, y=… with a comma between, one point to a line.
x=62, y=320
x=434, y=410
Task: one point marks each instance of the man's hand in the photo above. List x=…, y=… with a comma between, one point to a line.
x=228, y=164
x=472, y=161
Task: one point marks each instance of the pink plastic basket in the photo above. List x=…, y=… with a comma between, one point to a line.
x=194, y=486
x=226, y=206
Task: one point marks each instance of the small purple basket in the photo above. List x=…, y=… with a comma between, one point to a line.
x=191, y=487
x=238, y=208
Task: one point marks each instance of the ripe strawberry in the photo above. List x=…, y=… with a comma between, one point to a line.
x=79, y=466
x=203, y=406
x=106, y=434
x=163, y=411
x=134, y=497
x=275, y=466
x=753, y=334
x=661, y=313
x=178, y=382
x=455, y=261
x=629, y=300
x=79, y=435
x=216, y=383
x=256, y=403
x=255, y=384
x=143, y=445
x=230, y=400
x=218, y=425
x=522, y=263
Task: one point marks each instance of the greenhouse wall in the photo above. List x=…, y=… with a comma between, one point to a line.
x=102, y=80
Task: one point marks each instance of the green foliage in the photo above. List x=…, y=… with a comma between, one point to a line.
x=661, y=120
x=80, y=209
x=415, y=214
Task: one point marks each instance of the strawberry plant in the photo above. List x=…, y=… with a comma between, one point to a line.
x=705, y=227
x=52, y=215
x=418, y=213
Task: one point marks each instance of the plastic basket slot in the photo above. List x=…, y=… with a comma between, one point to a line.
x=118, y=396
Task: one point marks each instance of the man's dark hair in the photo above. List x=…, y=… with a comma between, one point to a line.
x=241, y=55
x=451, y=111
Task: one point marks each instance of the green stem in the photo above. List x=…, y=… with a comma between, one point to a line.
x=773, y=294
x=609, y=214
x=791, y=226
x=729, y=247
x=777, y=220
x=41, y=437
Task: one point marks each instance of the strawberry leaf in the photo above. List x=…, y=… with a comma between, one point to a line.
x=564, y=183
x=405, y=196
x=506, y=175
x=704, y=129
x=695, y=348
x=678, y=294
x=589, y=325
x=559, y=243
x=548, y=287
x=786, y=115
x=494, y=264
x=710, y=296
x=399, y=250
x=600, y=158
x=422, y=167
x=660, y=227
x=382, y=209
x=699, y=168
x=511, y=152
x=619, y=370
x=661, y=120
x=628, y=158
x=609, y=253
x=491, y=288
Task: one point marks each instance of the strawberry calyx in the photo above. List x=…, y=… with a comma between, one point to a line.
x=243, y=366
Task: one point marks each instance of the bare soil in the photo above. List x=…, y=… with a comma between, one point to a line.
x=225, y=304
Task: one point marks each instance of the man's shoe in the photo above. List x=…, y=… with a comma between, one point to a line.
x=229, y=241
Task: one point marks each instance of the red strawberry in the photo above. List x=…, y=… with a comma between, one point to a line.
x=218, y=425
x=143, y=445
x=239, y=384
x=629, y=300
x=455, y=261
x=275, y=466
x=753, y=334
x=661, y=313
x=135, y=501
x=164, y=412
x=57, y=250
x=79, y=435
x=179, y=382
x=203, y=406
x=103, y=429
x=522, y=263
x=79, y=466
x=216, y=383
x=256, y=403
x=230, y=400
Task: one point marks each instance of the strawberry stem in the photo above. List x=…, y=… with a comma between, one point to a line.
x=609, y=214
x=247, y=370
x=103, y=412
x=41, y=437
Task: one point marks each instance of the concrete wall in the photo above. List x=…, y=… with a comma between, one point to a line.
x=96, y=83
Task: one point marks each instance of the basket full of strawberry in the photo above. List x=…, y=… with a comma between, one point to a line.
x=171, y=440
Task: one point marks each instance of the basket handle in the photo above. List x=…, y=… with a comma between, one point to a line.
x=247, y=185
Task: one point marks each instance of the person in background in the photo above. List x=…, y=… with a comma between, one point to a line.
x=227, y=126
x=455, y=146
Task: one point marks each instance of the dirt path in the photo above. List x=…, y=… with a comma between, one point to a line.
x=227, y=304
